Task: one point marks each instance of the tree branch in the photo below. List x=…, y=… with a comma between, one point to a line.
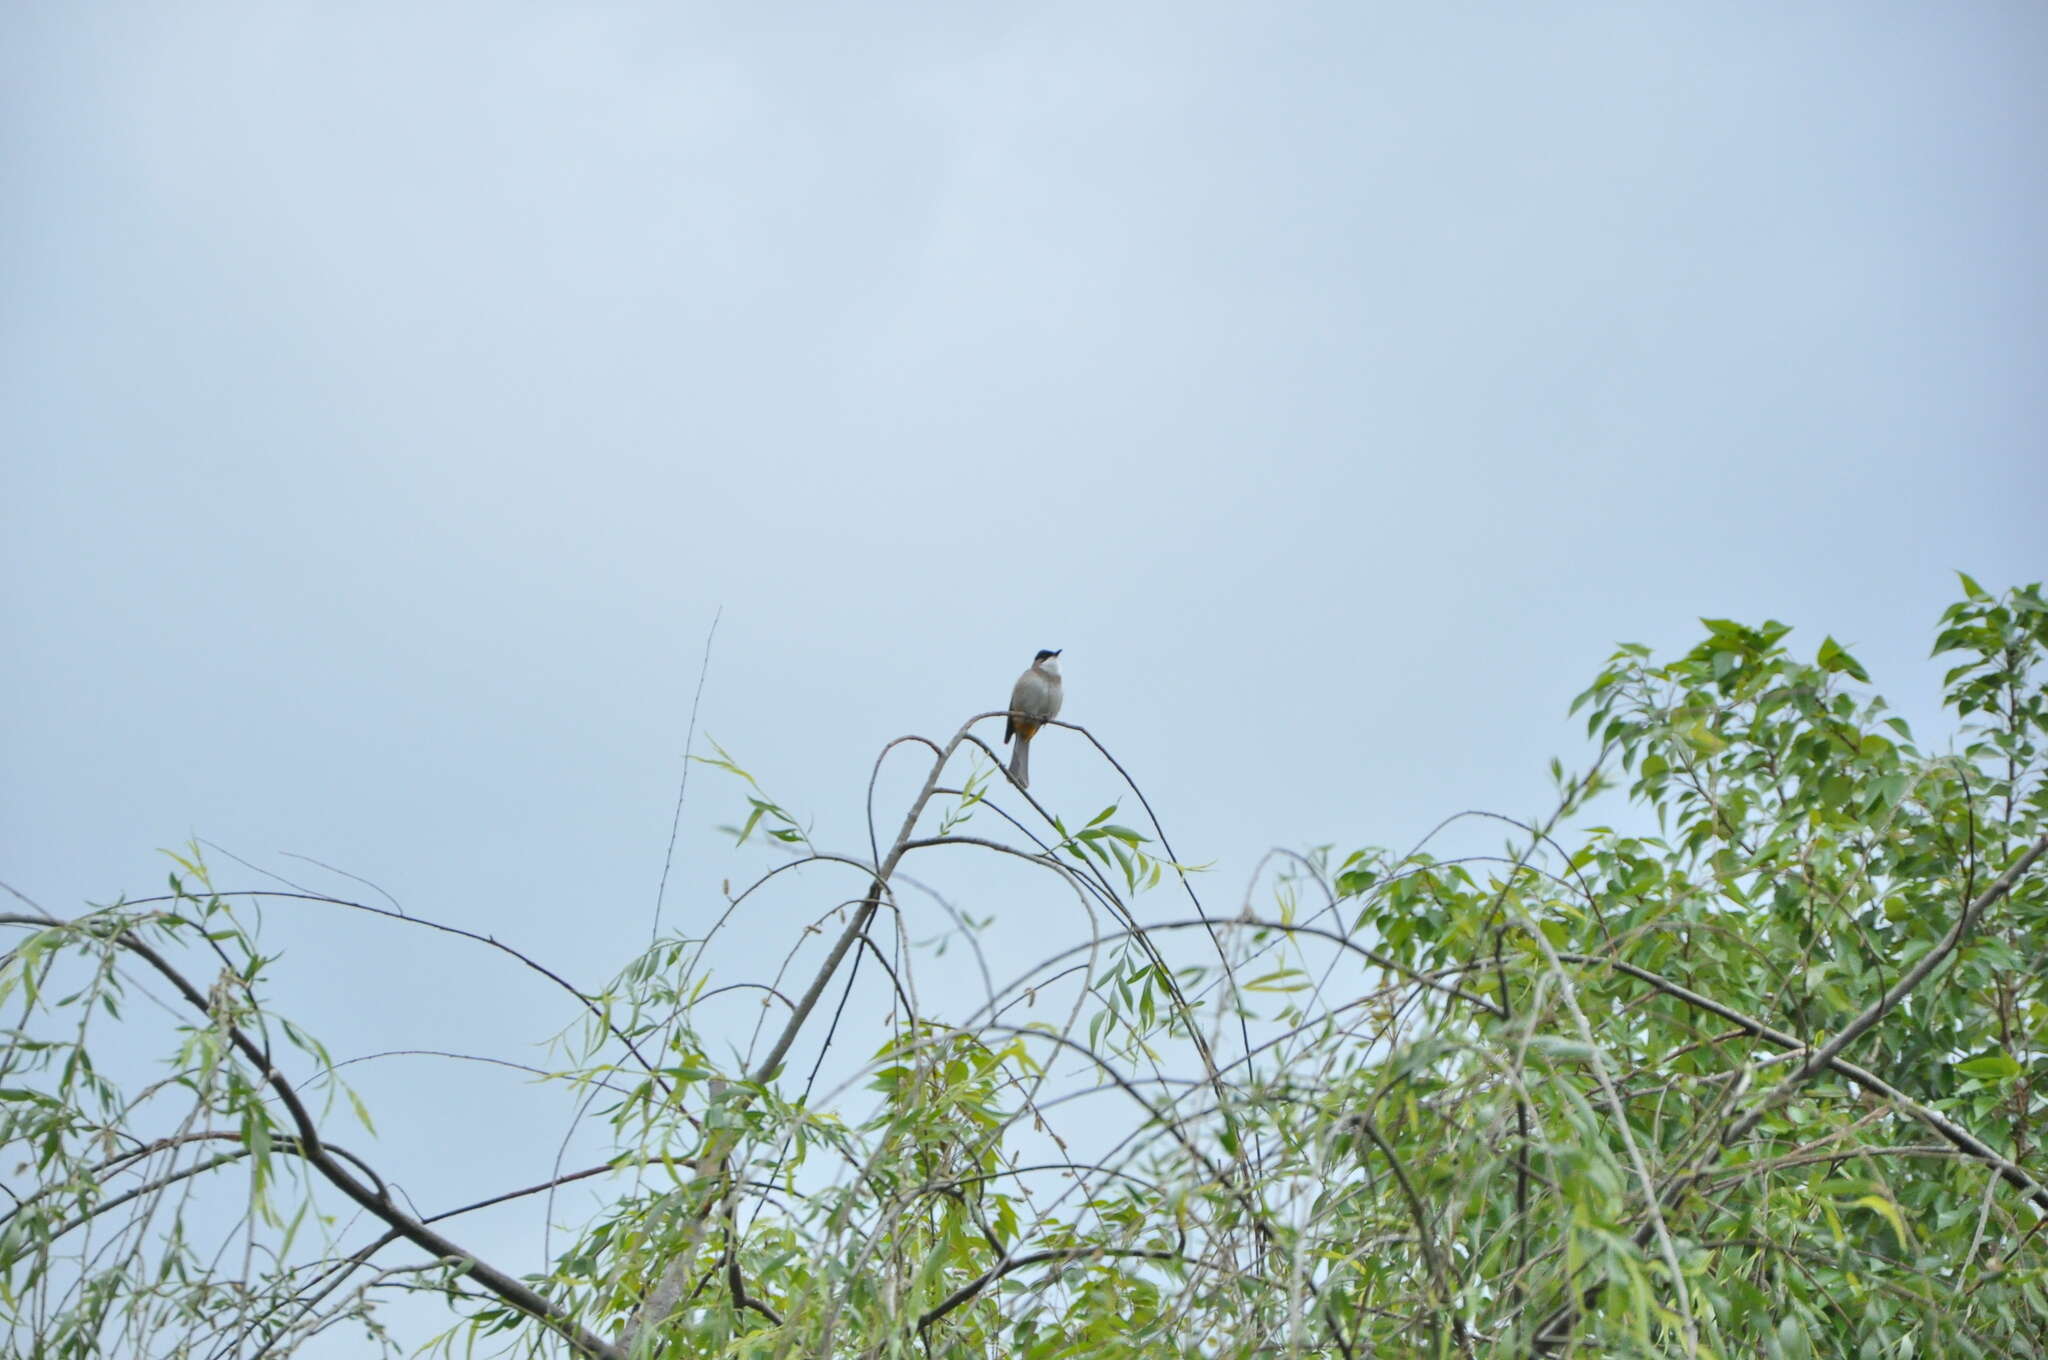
x=1554, y=1330
x=315, y=1151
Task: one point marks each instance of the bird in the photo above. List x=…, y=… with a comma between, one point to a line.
x=1034, y=701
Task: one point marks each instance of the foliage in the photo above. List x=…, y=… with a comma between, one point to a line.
x=1758, y=1068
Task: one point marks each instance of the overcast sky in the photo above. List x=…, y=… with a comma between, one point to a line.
x=392, y=395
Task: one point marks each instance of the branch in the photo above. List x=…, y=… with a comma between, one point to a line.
x=668, y=1288
x=1878, y=1009
x=2010, y=1171
x=316, y=1151
x=1424, y=1234
x=588, y=1003
x=1552, y=1333
x=1010, y=1264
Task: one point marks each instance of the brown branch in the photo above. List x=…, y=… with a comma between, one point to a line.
x=583, y=998
x=2011, y=1172
x=1878, y=1009
x=284, y=1143
x=328, y=1162
x=1009, y=1265
x=1552, y=1332
x=668, y=1288
x=1425, y=1235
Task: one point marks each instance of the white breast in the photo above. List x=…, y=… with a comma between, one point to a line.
x=1037, y=694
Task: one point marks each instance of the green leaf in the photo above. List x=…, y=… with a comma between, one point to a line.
x=1833, y=659
x=1281, y=980
x=362, y=1111
x=1998, y=1066
x=1355, y=881
x=1702, y=738
x=1558, y=1046
x=1887, y=790
x=1890, y=1213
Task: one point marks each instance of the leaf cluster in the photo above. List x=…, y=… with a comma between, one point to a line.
x=1736, y=1050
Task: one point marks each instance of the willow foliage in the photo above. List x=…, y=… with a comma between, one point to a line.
x=1755, y=1068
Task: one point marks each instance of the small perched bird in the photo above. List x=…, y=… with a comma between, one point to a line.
x=1033, y=702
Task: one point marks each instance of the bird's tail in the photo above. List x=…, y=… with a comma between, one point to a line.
x=1020, y=762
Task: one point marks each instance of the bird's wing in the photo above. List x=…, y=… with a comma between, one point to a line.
x=1021, y=692
x=1027, y=697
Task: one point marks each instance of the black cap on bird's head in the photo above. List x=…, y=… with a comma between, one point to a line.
x=1045, y=654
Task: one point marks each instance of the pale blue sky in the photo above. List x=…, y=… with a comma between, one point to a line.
x=393, y=393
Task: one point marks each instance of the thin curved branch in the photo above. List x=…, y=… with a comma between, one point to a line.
x=582, y=998
x=1425, y=1234
x=1555, y=1328
x=1010, y=1264
x=667, y=1291
x=329, y=1163
x=2010, y=1171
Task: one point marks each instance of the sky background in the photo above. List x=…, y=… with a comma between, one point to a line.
x=393, y=395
